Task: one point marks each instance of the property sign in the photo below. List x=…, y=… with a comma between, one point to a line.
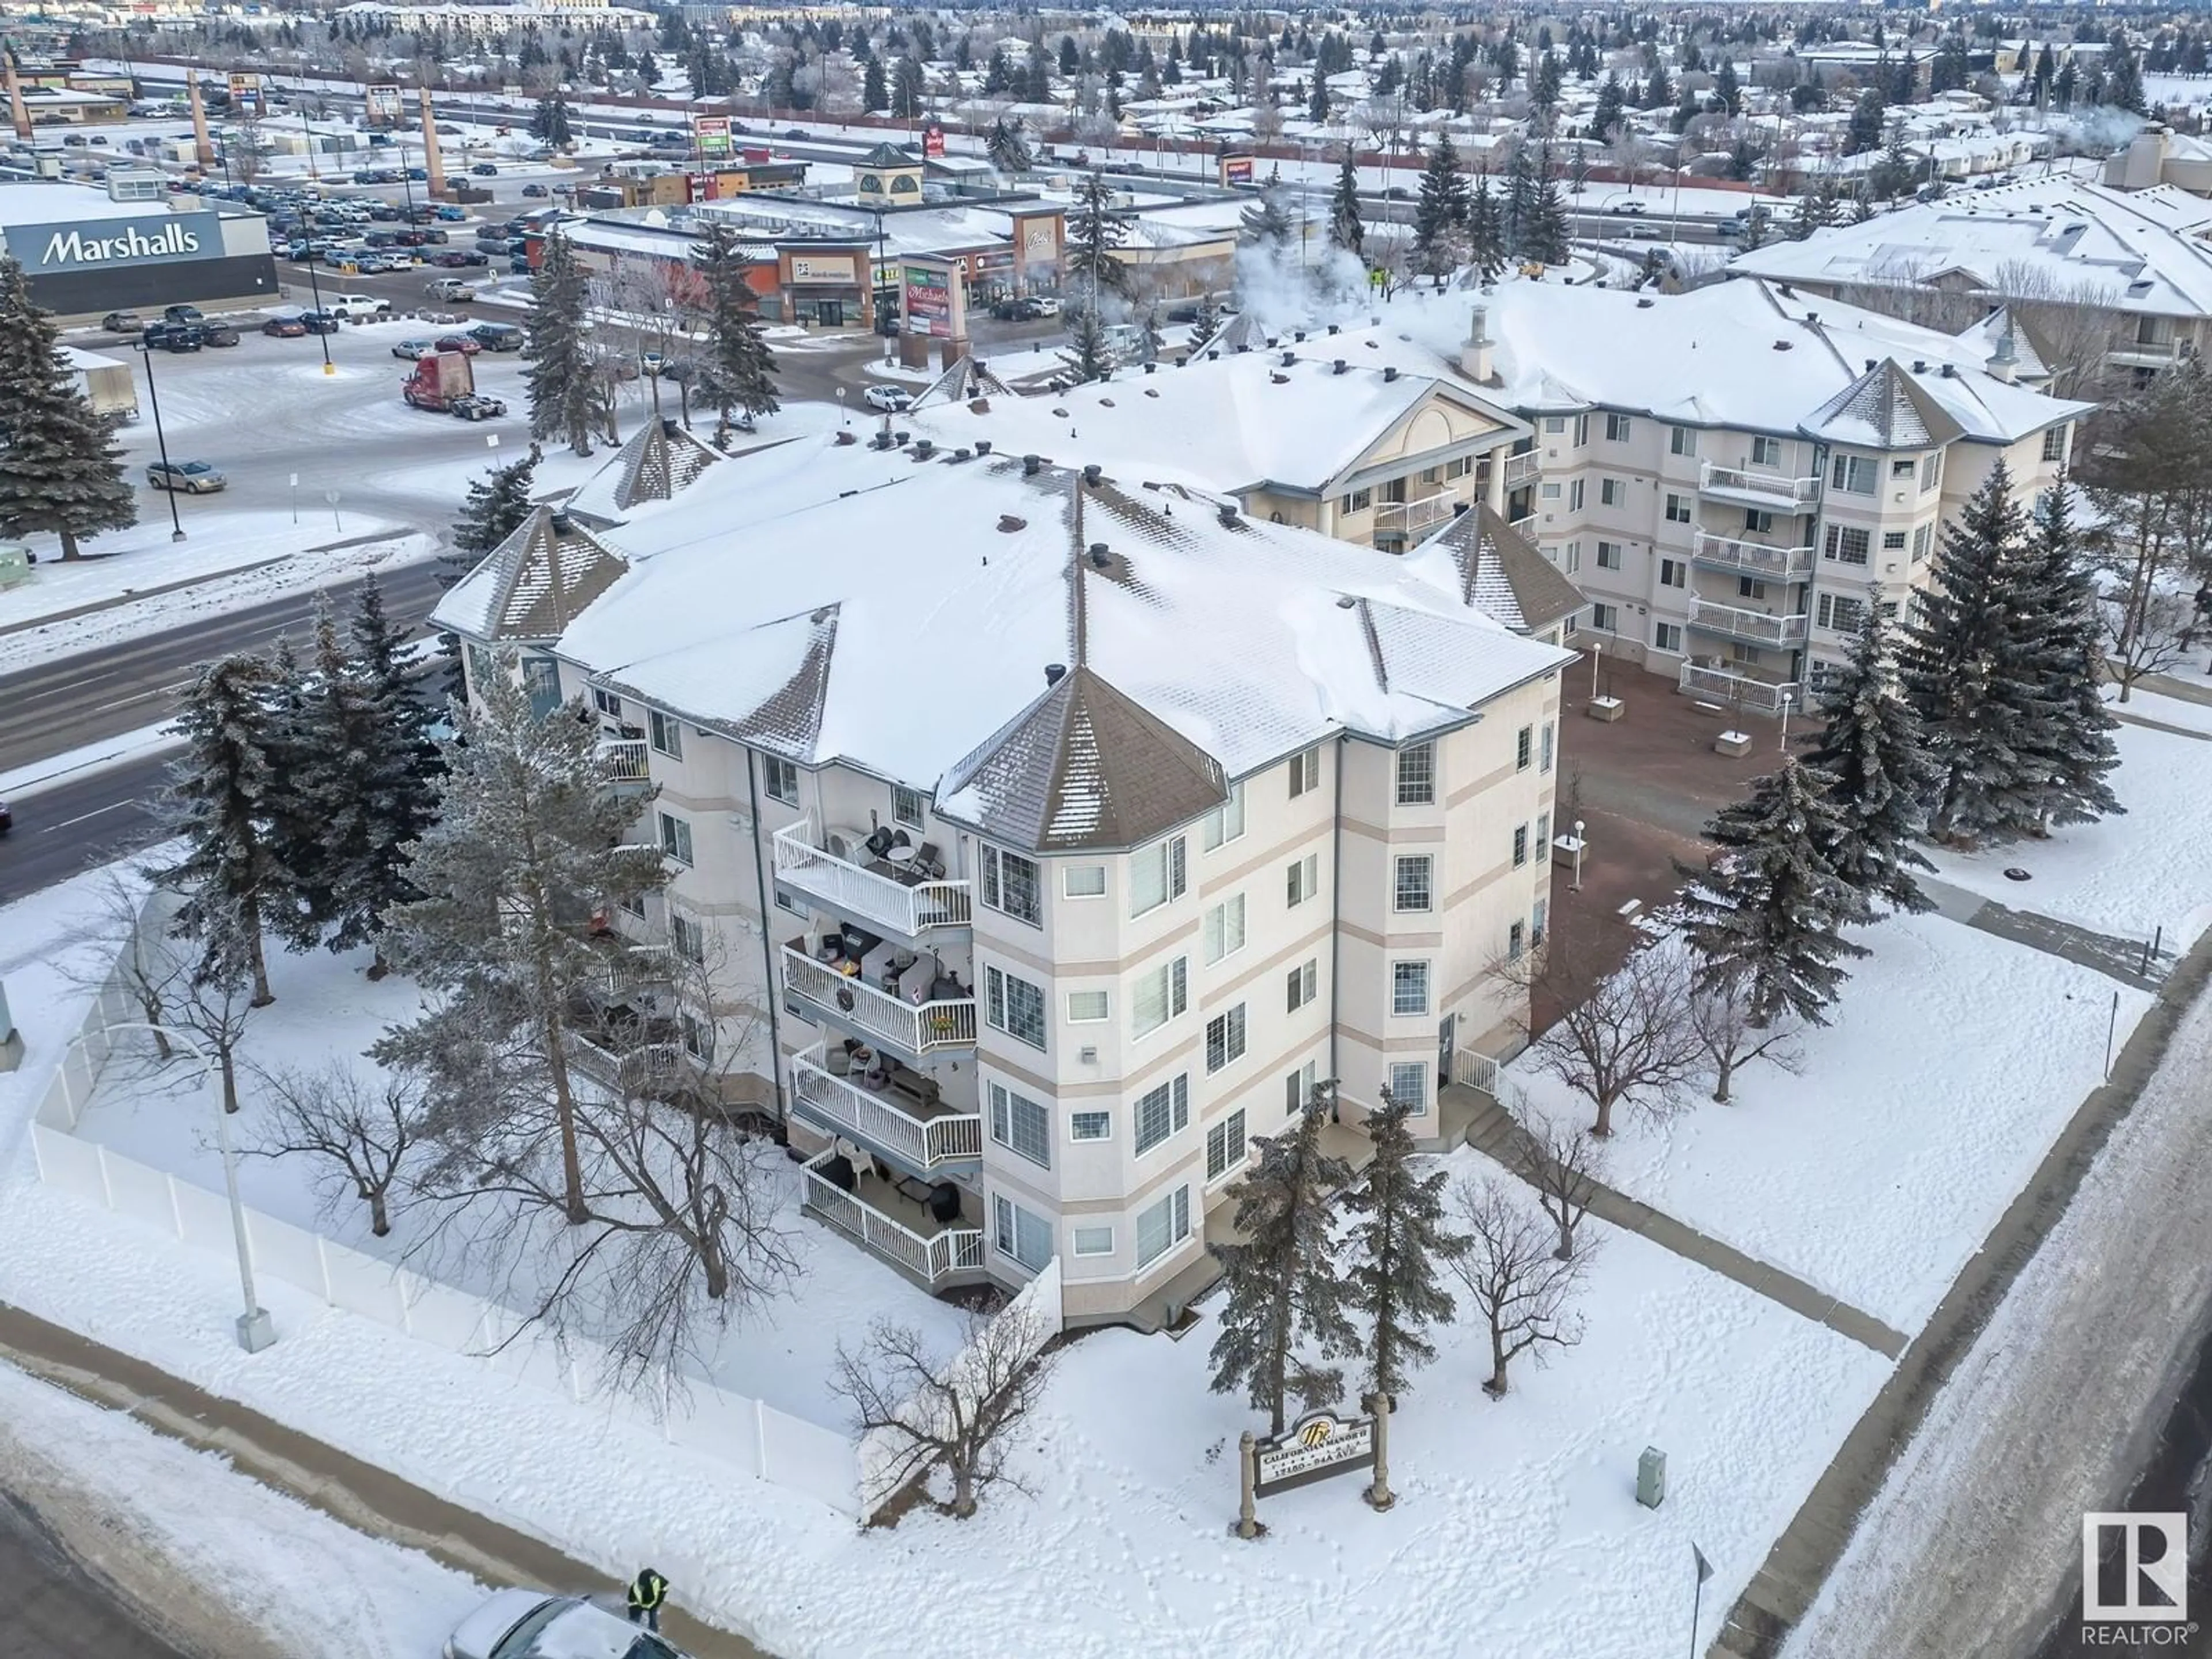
x=927, y=302
x=712, y=133
x=932, y=141
x=108, y=244
x=1318, y=1445
x=1236, y=169
x=381, y=103
x=245, y=93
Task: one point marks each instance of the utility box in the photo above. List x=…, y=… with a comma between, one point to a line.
x=15, y=567
x=1651, y=1477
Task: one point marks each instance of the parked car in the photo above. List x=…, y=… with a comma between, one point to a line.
x=344, y=305
x=420, y=175
x=533, y=190
x=219, y=334
x=284, y=328
x=122, y=322
x=891, y=400
x=318, y=322
x=172, y=337
x=450, y=214
x=1627, y=205
x=193, y=477
x=497, y=336
x=522, y=1624
x=410, y=349
x=459, y=343
x=483, y=170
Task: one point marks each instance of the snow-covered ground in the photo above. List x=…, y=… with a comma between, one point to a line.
x=178, y=1530
x=2168, y=711
x=1954, y=1061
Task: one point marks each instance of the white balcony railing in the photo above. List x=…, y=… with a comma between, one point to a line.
x=1753, y=558
x=1765, y=697
x=1767, y=489
x=1760, y=627
x=1523, y=469
x=1524, y=526
x=1413, y=517
x=626, y=759
x=906, y=908
x=915, y=1028
x=2148, y=353
x=929, y=1257
x=923, y=1142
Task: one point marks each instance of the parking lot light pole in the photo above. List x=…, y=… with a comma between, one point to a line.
x=315, y=287
x=162, y=443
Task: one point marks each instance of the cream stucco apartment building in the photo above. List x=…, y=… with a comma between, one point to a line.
x=1051, y=832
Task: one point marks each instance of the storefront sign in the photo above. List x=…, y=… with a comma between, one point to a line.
x=997, y=259
x=808, y=270
x=1036, y=238
x=713, y=134
x=1236, y=169
x=381, y=103
x=1318, y=1445
x=105, y=244
x=932, y=141
x=245, y=93
x=928, y=302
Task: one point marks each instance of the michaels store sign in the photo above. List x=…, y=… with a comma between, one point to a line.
x=111, y=244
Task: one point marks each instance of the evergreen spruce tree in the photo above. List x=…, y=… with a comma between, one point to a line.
x=1008, y=150
x=1545, y=232
x=1399, y=1244
x=1767, y=916
x=1486, y=233
x=497, y=503
x=1093, y=232
x=1267, y=226
x=564, y=404
x=1968, y=668
x=1283, y=1291
x=2077, y=751
x=1440, y=208
x=1870, y=746
x=61, y=471
x=740, y=369
x=1612, y=105
x=1088, y=356
x=1346, y=229
x=875, y=89
x=224, y=805
x=550, y=124
x=527, y=838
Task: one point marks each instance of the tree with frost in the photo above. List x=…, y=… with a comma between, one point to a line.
x=738, y=370
x=1089, y=356
x=1008, y=146
x=2076, y=761
x=528, y=844
x=1544, y=237
x=558, y=371
x=1094, y=231
x=1769, y=910
x=496, y=506
x=1399, y=1245
x=224, y=806
x=1869, y=747
x=1440, y=210
x=1266, y=227
x=1720, y=1020
x=548, y=122
x=1514, y=1277
x=1282, y=1293
x=61, y=469
x=1345, y=229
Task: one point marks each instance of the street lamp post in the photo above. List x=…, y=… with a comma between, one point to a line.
x=1787, y=697
x=315, y=287
x=256, y=1331
x=161, y=442
x=1597, y=649
x=1578, y=855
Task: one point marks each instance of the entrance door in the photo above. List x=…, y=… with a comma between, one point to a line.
x=830, y=313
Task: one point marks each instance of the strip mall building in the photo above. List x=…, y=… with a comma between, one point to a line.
x=87, y=252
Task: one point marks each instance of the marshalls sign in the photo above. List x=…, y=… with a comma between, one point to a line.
x=105, y=244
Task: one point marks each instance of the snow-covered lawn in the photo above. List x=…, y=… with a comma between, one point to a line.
x=165, y=1513
x=2168, y=711
x=2126, y=876
x=1954, y=1058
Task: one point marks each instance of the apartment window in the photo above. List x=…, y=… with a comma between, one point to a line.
x=906, y=806
x=1089, y=1007
x=1758, y=521
x=1673, y=573
x=1931, y=471
x=1616, y=428
x=1162, y=1111
x=1612, y=492
x=1090, y=1125
x=1162, y=1226
x=1608, y=555
x=1892, y=541
x=1520, y=845
x=1605, y=618
x=1012, y=886
x=666, y=732
x=1678, y=509
x=1516, y=941
x=1226, y=823
x=1576, y=493
x=1750, y=656
x=1224, y=1145
x=1682, y=440
x=1544, y=751
x=1855, y=475
x=1014, y=1005
x=1574, y=557
x=606, y=702
x=1667, y=637
x=1543, y=831
x=1923, y=536
x=1409, y=1084
x=1842, y=613
x=1409, y=987
x=1091, y=1241
x=1847, y=544
x=1081, y=881
x=1538, y=914
x=1017, y=1233
x=1225, y=1038
x=1301, y=984
x=1359, y=500
x=1766, y=451
x=1555, y=425
x=1159, y=996
x=633, y=904
x=1305, y=772
x=1904, y=469
x=1416, y=775
x=1750, y=588
x=780, y=778
x=1431, y=474
x=676, y=838
x=1020, y=1125
x=687, y=937
x=1301, y=881
x=692, y=1032
x=1297, y=1089
x=541, y=683
x=1549, y=492
x=784, y=901
x=1224, y=928
x=1459, y=466
x=1155, y=875
x=1581, y=430
x=1413, y=888
x=2054, y=444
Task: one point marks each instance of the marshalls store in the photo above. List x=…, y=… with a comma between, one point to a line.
x=134, y=247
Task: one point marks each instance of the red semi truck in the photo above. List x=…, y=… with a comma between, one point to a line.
x=445, y=383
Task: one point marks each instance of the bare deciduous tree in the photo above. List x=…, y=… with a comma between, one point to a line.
x=173, y=983
x=923, y=1414
x=1563, y=1162
x=1620, y=1038
x=1720, y=1018
x=1515, y=1276
x=360, y=1131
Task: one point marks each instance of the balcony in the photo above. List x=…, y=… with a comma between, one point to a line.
x=1768, y=491
x=1523, y=469
x=1793, y=564
x=895, y=1220
x=899, y=897
x=628, y=762
x=899, y=1116
x=2150, y=354
x=1760, y=627
x=1524, y=526
x=939, y=1018
x=1745, y=691
x=1412, y=519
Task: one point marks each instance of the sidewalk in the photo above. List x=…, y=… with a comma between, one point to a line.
x=359, y=1494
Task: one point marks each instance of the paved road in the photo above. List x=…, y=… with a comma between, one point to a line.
x=55, y=1610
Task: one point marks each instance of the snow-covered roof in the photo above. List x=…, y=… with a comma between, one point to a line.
x=1498, y=571
x=533, y=584
x=56, y=202
x=659, y=460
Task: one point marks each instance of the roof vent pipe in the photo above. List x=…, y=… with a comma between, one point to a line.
x=1290, y=360
x=1226, y=514
x=561, y=521
x=1093, y=473
x=1031, y=465
x=1300, y=337
x=1390, y=373
x=982, y=446
x=1054, y=672
x=1100, y=557
x=1339, y=366
x=923, y=449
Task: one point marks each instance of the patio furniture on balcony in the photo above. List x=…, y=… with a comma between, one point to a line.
x=889, y=1220
x=628, y=762
x=884, y=1105
x=900, y=889
x=860, y=985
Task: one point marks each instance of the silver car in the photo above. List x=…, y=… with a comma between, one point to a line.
x=521, y=1624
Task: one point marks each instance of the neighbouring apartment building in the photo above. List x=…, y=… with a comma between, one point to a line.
x=1054, y=831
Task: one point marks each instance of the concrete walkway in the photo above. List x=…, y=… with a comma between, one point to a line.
x=2130, y=961
x=2167, y=686
x=1808, y=1548
x=1495, y=1134
x=362, y=1496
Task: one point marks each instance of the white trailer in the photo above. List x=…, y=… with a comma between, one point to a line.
x=111, y=383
